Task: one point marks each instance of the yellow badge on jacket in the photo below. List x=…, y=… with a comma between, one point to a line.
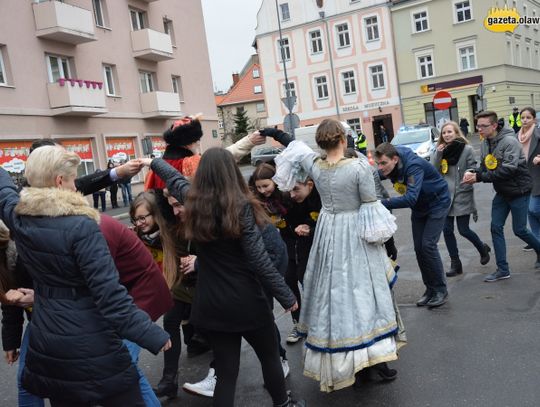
x=444, y=166
x=278, y=221
x=400, y=188
x=314, y=216
x=491, y=162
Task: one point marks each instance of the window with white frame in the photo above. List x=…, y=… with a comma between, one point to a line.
x=536, y=58
x=285, y=14
x=257, y=89
x=467, y=58
x=420, y=21
x=321, y=85
x=260, y=107
x=146, y=80
x=517, y=56
x=109, y=76
x=255, y=73
x=377, y=77
x=3, y=74
x=58, y=67
x=463, y=11
x=284, y=50
x=292, y=89
x=425, y=66
x=372, y=28
x=528, y=55
x=315, y=39
x=342, y=31
x=169, y=29
x=349, y=83
x=138, y=19
x=99, y=13
x=177, y=86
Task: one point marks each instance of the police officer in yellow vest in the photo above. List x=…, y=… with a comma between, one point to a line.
x=514, y=120
x=361, y=142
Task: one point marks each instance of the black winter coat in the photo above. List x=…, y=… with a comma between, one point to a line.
x=81, y=312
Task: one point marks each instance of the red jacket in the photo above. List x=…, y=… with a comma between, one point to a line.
x=138, y=272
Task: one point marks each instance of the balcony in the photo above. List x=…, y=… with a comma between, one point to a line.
x=160, y=105
x=63, y=22
x=148, y=1
x=151, y=45
x=77, y=97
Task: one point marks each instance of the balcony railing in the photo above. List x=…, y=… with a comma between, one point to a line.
x=160, y=104
x=77, y=97
x=151, y=45
x=63, y=22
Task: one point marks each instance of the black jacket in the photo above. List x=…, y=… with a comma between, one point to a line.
x=91, y=183
x=81, y=312
x=229, y=295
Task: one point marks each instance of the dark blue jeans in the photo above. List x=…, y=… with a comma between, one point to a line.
x=500, y=208
x=464, y=230
x=426, y=230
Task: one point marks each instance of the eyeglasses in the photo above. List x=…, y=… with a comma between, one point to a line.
x=140, y=219
x=483, y=126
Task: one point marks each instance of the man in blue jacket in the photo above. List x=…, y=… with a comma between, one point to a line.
x=424, y=191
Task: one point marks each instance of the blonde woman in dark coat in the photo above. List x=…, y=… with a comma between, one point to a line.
x=452, y=157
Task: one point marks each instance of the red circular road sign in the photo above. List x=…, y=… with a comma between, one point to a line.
x=442, y=100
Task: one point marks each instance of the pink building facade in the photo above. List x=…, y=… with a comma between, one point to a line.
x=100, y=76
x=339, y=59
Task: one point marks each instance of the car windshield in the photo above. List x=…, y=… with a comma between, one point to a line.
x=264, y=150
x=411, y=137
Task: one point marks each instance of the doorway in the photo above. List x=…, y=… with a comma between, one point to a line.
x=386, y=121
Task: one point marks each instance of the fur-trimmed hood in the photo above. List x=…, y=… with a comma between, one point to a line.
x=54, y=202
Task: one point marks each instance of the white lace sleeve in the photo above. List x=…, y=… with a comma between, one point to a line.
x=293, y=165
x=376, y=223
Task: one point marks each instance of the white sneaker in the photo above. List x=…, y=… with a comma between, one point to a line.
x=285, y=367
x=205, y=387
x=293, y=336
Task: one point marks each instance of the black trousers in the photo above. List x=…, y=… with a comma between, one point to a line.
x=172, y=321
x=226, y=347
x=294, y=275
x=129, y=398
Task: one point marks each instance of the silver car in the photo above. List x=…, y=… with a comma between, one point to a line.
x=264, y=154
x=420, y=138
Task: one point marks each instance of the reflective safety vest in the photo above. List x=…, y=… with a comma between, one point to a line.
x=514, y=121
x=361, y=142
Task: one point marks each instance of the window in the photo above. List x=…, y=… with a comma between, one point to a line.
x=85, y=168
x=425, y=66
x=98, y=13
x=177, y=86
x=58, y=67
x=292, y=89
x=257, y=89
x=316, y=41
x=284, y=50
x=109, y=74
x=146, y=80
x=372, y=28
x=285, y=14
x=355, y=124
x=322, y=87
x=348, y=82
x=260, y=107
x=255, y=73
x=463, y=11
x=343, y=35
x=3, y=75
x=169, y=30
x=240, y=110
x=518, y=55
x=528, y=56
x=377, y=77
x=138, y=19
x=467, y=58
x=420, y=21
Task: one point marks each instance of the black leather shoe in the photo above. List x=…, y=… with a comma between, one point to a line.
x=167, y=387
x=437, y=300
x=384, y=372
x=423, y=301
x=484, y=256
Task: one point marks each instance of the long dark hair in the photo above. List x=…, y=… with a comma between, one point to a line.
x=216, y=198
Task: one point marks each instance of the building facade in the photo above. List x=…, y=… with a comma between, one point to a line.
x=443, y=45
x=339, y=60
x=246, y=94
x=100, y=75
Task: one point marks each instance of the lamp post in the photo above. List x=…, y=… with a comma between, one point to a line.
x=332, y=73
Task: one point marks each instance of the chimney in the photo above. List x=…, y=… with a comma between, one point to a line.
x=235, y=78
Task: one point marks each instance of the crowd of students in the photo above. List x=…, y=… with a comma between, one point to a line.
x=210, y=253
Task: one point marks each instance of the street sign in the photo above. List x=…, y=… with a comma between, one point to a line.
x=481, y=90
x=289, y=102
x=442, y=100
x=291, y=122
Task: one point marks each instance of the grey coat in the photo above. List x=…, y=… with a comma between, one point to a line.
x=462, y=195
x=534, y=170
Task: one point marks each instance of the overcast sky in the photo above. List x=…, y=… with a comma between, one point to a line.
x=230, y=30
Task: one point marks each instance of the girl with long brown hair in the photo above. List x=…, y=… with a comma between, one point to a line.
x=224, y=220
